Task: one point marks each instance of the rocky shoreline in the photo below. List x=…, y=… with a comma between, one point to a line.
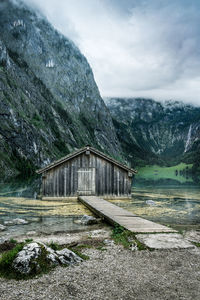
x=113, y=272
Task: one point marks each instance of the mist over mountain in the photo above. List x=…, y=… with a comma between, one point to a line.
x=152, y=132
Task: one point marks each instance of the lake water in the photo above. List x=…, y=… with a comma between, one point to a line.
x=176, y=206
x=168, y=195
x=44, y=217
x=159, y=198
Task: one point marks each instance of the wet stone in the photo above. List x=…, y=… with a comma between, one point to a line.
x=150, y=202
x=87, y=220
x=16, y=221
x=2, y=228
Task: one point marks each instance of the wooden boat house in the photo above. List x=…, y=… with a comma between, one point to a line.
x=86, y=172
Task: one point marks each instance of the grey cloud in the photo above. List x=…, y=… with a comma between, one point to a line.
x=136, y=48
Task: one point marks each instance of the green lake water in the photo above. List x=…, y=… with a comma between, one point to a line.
x=169, y=195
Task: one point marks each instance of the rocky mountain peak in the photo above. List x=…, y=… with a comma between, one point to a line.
x=168, y=131
x=50, y=102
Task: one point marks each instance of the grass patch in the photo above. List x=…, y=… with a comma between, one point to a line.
x=83, y=246
x=54, y=246
x=39, y=266
x=101, y=248
x=78, y=250
x=6, y=261
x=42, y=262
x=13, y=241
x=196, y=244
x=80, y=254
x=37, y=121
x=90, y=243
x=29, y=240
x=87, y=244
x=126, y=238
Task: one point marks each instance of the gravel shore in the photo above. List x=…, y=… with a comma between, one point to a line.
x=116, y=273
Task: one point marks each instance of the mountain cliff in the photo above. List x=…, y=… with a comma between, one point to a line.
x=49, y=101
x=153, y=132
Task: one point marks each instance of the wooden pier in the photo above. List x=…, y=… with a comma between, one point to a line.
x=116, y=215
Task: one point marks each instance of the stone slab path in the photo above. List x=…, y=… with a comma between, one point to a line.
x=164, y=241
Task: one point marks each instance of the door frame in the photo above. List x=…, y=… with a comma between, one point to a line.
x=93, y=183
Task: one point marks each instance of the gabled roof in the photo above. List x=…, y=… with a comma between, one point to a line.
x=80, y=151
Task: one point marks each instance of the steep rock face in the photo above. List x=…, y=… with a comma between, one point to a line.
x=49, y=101
x=166, y=132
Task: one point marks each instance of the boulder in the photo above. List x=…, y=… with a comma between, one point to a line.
x=29, y=257
x=16, y=221
x=26, y=257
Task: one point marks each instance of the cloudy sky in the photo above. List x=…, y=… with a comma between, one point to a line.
x=136, y=48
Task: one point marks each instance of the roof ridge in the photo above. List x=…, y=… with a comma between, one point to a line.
x=79, y=151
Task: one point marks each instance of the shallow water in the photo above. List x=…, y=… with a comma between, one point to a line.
x=176, y=206
x=45, y=217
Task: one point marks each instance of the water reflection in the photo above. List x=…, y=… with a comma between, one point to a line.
x=180, y=175
x=21, y=188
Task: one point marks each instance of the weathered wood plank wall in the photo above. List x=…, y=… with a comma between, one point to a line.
x=110, y=179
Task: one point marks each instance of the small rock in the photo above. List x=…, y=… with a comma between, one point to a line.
x=130, y=239
x=134, y=247
x=108, y=242
x=87, y=220
x=31, y=233
x=16, y=221
x=67, y=257
x=150, y=202
x=2, y=228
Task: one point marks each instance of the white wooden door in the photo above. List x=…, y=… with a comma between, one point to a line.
x=86, y=181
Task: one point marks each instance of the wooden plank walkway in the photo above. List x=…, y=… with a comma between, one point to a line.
x=115, y=214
